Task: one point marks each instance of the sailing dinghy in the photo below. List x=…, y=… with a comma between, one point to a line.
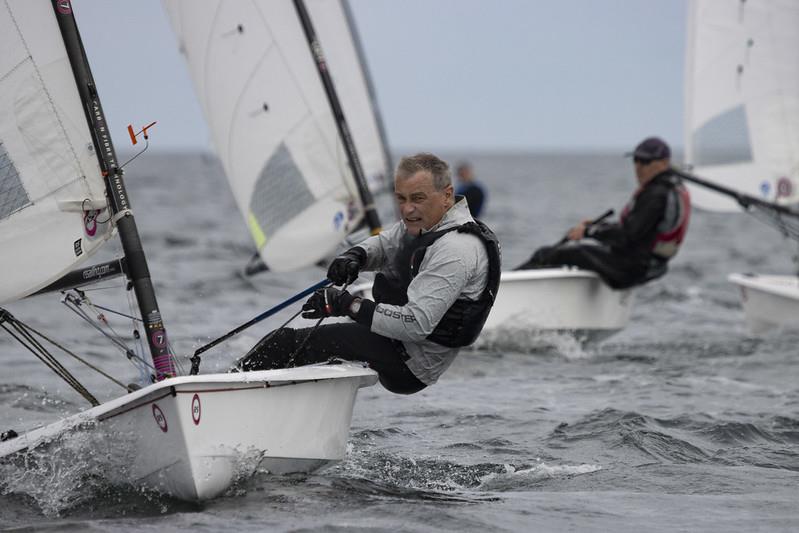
x=61, y=196
x=742, y=131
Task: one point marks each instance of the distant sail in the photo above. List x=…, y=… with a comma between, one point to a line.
x=339, y=36
x=52, y=195
x=742, y=99
x=271, y=122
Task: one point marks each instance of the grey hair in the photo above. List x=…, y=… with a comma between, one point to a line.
x=439, y=169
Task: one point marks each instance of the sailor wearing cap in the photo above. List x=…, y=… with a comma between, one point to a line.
x=637, y=247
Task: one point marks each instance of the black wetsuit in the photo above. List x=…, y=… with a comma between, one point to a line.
x=623, y=255
x=350, y=341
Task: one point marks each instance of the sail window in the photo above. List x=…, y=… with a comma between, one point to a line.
x=280, y=192
x=12, y=194
x=724, y=139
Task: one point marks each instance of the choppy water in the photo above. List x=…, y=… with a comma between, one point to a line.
x=680, y=422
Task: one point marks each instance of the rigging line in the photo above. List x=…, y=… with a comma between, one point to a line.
x=178, y=364
x=107, y=324
x=313, y=330
x=82, y=314
x=42, y=354
x=127, y=351
x=74, y=304
x=75, y=356
x=306, y=339
x=272, y=333
x=50, y=362
x=108, y=288
x=139, y=360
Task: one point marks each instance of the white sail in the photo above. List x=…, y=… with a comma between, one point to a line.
x=271, y=122
x=742, y=99
x=51, y=189
x=337, y=34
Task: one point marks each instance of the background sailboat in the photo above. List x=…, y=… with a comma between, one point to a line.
x=742, y=128
x=186, y=436
x=272, y=123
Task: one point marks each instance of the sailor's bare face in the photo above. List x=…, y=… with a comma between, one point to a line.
x=421, y=205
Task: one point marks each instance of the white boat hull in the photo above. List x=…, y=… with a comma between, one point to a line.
x=554, y=300
x=191, y=437
x=769, y=302
x=560, y=300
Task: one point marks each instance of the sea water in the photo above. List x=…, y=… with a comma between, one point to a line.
x=682, y=421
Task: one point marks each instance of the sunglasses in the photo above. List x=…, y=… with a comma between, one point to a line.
x=641, y=161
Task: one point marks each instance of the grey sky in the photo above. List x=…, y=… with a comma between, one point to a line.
x=449, y=74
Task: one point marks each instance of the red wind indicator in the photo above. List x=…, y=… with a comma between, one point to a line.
x=142, y=132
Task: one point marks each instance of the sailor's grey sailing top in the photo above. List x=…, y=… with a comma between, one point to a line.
x=454, y=266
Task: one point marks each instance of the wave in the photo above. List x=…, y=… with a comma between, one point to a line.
x=380, y=433
x=377, y=489
x=30, y=399
x=85, y=472
x=520, y=338
x=525, y=477
x=688, y=345
x=694, y=439
x=429, y=478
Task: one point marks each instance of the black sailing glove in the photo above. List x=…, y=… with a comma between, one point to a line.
x=345, y=267
x=326, y=302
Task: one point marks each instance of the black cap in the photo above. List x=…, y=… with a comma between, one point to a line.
x=651, y=148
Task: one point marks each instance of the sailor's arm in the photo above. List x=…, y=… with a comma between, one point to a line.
x=639, y=223
x=381, y=247
x=432, y=292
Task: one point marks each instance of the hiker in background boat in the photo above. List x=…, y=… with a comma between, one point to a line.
x=470, y=188
x=651, y=228
x=438, y=273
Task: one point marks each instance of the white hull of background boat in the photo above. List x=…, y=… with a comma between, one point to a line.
x=191, y=437
x=555, y=300
x=560, y=300
x=769, y=302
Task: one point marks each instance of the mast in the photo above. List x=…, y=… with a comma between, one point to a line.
x=381, y=129
x=136, y=262
x=338, y=115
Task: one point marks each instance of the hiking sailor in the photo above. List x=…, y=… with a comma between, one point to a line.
x=438, y=274
x=651, y=228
